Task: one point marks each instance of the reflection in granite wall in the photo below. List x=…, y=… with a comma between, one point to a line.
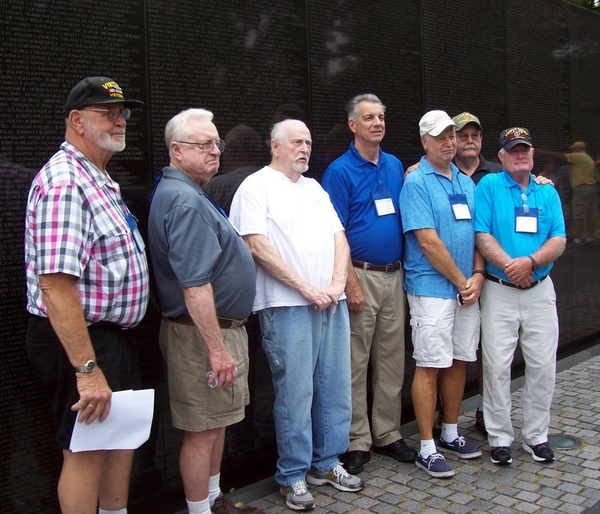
x=253, y=63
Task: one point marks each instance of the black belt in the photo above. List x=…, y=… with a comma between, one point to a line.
x=186, y=319
x=498, y=280
x=97, y=324
x=387, y=268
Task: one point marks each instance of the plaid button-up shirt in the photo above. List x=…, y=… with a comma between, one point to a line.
x=76, y=224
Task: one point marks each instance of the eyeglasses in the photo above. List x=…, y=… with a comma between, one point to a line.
x=206, y=146
x=112, y=113
x=465, y=137
x=525, y=206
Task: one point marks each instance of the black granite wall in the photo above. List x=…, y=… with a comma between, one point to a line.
x=530, y=63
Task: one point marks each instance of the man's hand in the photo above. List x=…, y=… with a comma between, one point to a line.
x=320, y=298
x=223, y=366
x=472, y=290
x=540, y=180
x=518, y=271
x=94, y=397
x=410, y=169
x=355, y=299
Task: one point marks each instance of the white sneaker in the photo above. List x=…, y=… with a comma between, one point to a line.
x=297, y=496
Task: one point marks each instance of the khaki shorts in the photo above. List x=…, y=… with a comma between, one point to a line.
x=195, y=407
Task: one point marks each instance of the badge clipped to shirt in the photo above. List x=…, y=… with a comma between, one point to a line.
x=460, y=207
x=383, y=202
x=526, y=222
x=135, y=231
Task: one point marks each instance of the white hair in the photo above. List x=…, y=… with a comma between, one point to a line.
x=178, y=127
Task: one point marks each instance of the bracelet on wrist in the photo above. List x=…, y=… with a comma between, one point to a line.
x=480, y=271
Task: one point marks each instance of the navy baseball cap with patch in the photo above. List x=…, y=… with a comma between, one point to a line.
x=514, y=136
x=97, y=90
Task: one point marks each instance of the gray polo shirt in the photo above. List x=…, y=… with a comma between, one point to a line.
x=192, y=244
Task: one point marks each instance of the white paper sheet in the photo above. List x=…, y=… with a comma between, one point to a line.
x=127, y=426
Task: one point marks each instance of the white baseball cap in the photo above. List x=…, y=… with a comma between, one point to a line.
x=435, y=122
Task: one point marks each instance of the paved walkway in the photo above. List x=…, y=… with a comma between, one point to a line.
x=571, y=484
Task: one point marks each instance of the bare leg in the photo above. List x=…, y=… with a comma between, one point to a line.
x=196, y=461
x=79, y=483
x=114, y=481
x=453, y=390
x=424, y=394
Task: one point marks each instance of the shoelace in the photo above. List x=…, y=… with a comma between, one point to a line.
x=299, y=488
x=339, y=471
x=434, y=457
x=461, y=441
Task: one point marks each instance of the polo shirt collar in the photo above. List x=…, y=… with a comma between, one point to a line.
x=99, y=178
x=511, y=182
x=359, y=160
x=174, y=173
x=428, y=169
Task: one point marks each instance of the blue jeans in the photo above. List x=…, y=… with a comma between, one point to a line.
x=309, y=356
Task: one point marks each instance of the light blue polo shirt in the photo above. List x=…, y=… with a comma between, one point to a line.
x=496, y=197
x=425, y=203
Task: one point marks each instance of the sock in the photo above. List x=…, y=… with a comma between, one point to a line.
x=449, y=432
x=214, y=491
x=201, y=507
x=427, y=448
x=120, y=511
x=480, y=406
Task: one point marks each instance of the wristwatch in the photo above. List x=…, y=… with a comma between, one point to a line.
x=534, y=265
x=89, y=367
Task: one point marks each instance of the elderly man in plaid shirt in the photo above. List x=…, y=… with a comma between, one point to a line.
x=87, y=281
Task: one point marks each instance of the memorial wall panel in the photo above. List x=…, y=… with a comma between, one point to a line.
x=356, y=50
x=252, y=63
x=464, y=63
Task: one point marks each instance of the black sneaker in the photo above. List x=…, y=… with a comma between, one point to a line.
x=540, y=452
x=354, y=461
x=398, y=450
x=500, y=455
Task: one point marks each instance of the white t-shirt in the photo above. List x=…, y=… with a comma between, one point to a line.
x=299, y=221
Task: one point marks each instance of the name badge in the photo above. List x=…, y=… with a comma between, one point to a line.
x=135, y=231
x=460, y=207
x=527, y=223
x=383, y=202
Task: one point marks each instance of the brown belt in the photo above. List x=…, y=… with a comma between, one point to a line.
x=186, y=319
x=388, y=268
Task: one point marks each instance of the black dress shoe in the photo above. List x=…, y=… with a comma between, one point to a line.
x=398, y=450
x=354, y=461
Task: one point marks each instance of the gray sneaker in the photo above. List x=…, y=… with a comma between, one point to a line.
x=338, y=477
x=297, y=496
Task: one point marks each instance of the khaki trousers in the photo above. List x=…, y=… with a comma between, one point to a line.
x=377, y=333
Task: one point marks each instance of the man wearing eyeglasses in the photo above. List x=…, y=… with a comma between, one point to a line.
x=87, y=281
x=520, y=231
x=205, y=279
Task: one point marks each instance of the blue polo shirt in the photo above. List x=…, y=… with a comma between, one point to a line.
x=351, y=182
x=425, y=202
x=496, y=197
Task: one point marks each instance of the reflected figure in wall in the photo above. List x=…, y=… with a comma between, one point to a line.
x=243, y=157
x=205, y=280
x=78, y=232
x=583, y=183
x=520, y=231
